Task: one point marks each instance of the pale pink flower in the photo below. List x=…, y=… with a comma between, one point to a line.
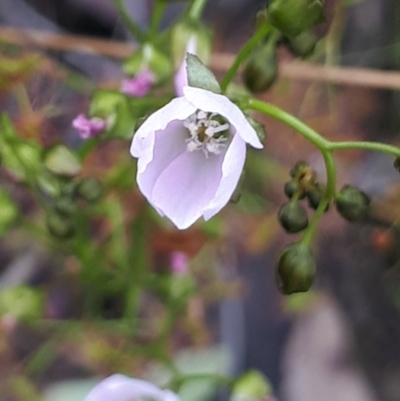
x=191, y=154
x=139, y=85
x=121, y=388
x=179, y=262
x=180, y=78
x=88, y=127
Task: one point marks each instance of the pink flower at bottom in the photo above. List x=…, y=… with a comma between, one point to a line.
x=191, y=153
x=121, y=388
x=139, y=85
x=88, y=127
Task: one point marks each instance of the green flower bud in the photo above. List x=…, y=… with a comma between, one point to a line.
x=315, y=196
x=90, y=189
x=60, y=226
x=352, y=203
x=291, y=187
x=260, y=69
x=303, y=45
x=65, y=206
x=296, y=269
x=293, y=217
x=293, y=17
x=148, y=57
x=396, y=164
x=190, y=30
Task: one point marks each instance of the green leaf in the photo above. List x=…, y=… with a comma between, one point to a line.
x=200, y=76
x=61, y=161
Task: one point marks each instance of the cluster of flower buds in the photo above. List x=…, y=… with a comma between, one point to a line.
x=303, y=184
x=296, y=265
x=292, y=21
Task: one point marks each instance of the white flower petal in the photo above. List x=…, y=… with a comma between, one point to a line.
x=232, y=168
x=121, y=388
x=185, y=188
x=167, y=146
x=215, y=103
x=142, y=146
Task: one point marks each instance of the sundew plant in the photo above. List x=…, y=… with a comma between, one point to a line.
x=133, y=196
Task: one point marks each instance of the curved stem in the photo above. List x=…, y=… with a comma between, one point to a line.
x=196, y=9
x=373, y=146
x=259, y=34
x=328, y=196
x=133, y=28
x=293, y=122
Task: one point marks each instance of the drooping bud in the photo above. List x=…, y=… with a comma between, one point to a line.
x=315, y=196
x=293, y=187
x=303, y=44
x=65, y=206
x=352, y=203
x=293, y=217
x=293, y=17
x=296, y=269
x=396, y=164
x=90, y=189
x=260, y=69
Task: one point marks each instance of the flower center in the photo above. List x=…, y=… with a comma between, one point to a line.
x=208, y=132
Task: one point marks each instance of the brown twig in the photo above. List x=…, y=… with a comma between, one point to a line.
x=294, y=70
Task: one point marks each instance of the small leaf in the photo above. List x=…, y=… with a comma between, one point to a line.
x=61, y=161
x=200, y=76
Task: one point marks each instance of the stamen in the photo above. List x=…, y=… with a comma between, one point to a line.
x=206, y=133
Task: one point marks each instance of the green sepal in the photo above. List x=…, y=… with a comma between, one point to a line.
x=199, y=76
x=258, y=127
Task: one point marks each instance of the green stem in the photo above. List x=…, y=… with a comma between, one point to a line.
x=293, y=122
x=328, y=196
x=373, y=146
x=259, y=34
x=158, y=12
x=196, y=9
x=133, y=28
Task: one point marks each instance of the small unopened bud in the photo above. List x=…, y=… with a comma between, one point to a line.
x=65, y=206
x=90, y=189
x=293, y=217
x=296, y=269
x=303, y=45
x=293, y=187
x=260, y=69
x=251, y=386
x=60, y=226
x=293, y=17
x=352, y=203
x=315, y=196
x=396, y=164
